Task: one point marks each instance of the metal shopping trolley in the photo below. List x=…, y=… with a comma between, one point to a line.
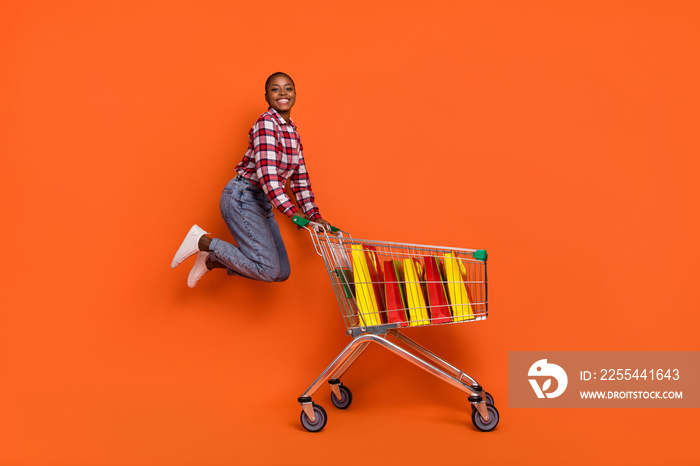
x=383, y=287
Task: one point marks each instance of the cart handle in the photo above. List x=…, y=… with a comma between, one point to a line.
x=302, y=222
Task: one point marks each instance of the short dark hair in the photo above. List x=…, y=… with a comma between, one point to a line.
x=274, y=75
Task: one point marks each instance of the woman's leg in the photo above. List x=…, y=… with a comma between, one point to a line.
x=204, y=245
x=260, y=253
x=285, y=268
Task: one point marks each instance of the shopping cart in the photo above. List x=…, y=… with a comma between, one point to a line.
x=383, y=287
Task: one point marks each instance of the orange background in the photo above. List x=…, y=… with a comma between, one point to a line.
x=560, y=136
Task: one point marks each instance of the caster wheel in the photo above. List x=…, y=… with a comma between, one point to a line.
x=345, y=397
x=485, y=426
x=488, y=398
x=320, y=421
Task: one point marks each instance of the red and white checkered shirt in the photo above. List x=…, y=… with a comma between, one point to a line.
x=274, y=156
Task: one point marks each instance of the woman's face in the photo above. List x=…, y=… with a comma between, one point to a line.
x=281, y=95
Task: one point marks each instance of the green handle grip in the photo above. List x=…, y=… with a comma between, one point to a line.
x=302, y=222
x=481, y=255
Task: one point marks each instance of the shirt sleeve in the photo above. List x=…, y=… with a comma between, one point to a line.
x=301, y=187
x=265, y=143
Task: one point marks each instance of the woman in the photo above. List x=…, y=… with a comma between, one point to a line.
x=274, y=156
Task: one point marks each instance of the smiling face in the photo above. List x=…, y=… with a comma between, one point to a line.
x=281, y=95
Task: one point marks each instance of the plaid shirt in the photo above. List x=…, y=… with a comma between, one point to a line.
x=274, y=156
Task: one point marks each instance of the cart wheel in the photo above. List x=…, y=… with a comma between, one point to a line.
x=345, y=397
x=320, y=422
x=479, y=422
x=488, y=399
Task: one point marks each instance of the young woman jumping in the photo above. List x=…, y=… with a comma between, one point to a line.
x=274, y=156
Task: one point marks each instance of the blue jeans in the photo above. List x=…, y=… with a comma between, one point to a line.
x=260, y=254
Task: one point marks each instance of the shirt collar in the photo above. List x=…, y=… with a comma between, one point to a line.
x=279, y=118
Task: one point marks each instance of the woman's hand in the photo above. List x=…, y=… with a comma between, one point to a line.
x=324, y=223
x=302, y=215
x=326, y=226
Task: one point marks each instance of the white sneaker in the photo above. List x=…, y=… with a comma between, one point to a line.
x=199, y=269
x=189, y=246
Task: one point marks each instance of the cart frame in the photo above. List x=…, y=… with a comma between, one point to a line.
x=387, y=335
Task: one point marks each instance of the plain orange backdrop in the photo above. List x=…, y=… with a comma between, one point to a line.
x=560, y=136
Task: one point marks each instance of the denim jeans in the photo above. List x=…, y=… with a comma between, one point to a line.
x=260, y=254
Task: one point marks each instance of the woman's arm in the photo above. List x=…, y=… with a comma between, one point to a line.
x=265, y=142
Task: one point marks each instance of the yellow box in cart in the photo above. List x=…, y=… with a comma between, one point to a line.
x=417, y=307
x=368, y=302
x=456, y=288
